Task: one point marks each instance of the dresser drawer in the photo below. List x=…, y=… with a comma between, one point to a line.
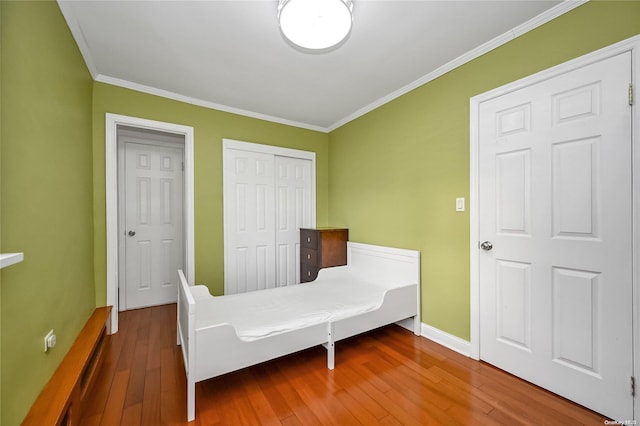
x=308, y=272
x=309, y=239
x=309, y=256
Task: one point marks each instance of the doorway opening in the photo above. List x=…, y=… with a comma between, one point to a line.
x=183, y=135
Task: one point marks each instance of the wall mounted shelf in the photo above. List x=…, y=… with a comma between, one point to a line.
x=8, y=259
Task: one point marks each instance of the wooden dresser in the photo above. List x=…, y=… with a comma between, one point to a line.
x=321, y=248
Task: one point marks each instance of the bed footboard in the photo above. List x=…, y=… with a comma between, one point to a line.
x=398, y=304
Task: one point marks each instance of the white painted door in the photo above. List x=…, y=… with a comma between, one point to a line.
x=556, y=202
x=153, y=224
x=293, y=211
x=267, y=198
x=249, y=221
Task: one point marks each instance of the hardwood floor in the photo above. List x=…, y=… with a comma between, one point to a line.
x=387, y=377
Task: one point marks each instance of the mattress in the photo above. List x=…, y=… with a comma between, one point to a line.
x=264, y=313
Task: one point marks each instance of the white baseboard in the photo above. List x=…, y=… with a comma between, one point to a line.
x=447, y=340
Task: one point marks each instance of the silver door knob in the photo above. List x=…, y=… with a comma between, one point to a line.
x=131, y=233
x=486, y=245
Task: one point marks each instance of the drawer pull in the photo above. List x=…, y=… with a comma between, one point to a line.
x=308, y=256
x=308, y=239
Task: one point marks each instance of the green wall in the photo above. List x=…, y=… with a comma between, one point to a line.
x=46, y=209
x=210, y=127
x=395, y=172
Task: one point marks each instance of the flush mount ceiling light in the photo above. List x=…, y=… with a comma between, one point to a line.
x=315, y=24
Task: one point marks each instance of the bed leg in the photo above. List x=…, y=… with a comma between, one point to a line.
x=417, y=326
x=191, y=399
x=331, y=348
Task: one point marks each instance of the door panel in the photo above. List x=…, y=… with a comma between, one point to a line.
x=293, y=184
x=555, y=200
x=575, y=199
x=513, y=292
x=153, y=224
x=249, y=221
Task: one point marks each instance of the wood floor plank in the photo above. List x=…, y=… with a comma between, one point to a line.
x=137, y=375
x=374, y=390
x=132, y=415
x=360, y=413
x=351, y=384
x=384, y=377
x=291, y=421
x=207, y=411
x=291, y=396
x=465, y=416
x=115, y=402
x=155, y=327
x=318, y=397
x=151, y=403
x=268, y=386
x=259, y=403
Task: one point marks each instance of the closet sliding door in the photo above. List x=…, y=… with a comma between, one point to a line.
x=269, y=194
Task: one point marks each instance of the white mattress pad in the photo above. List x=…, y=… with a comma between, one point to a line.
x=263, y=313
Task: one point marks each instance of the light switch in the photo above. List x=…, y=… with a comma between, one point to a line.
x=460, y=204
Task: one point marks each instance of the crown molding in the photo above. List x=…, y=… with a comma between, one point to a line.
x=199, y=102
x=543, y=18
x=79, y=37
x=492, y=44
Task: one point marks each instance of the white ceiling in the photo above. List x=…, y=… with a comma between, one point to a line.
x=230, y=55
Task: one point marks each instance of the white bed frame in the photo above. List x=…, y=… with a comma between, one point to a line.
x=215, y=350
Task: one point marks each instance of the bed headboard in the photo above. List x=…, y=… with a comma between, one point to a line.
x=384, y=265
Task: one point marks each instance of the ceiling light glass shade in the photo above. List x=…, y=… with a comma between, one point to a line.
x=315, y=24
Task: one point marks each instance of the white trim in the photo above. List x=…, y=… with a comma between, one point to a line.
x=635, y=147
x=80, y=39
x=629, y=45
x=474, y=233
x=206, y=104
x=492, y=44
x=264, y=149
x=541, y=19
x=447, y=340
x=273, y=150
x=112, y=121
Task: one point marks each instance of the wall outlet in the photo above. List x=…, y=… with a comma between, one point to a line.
x=49, y=341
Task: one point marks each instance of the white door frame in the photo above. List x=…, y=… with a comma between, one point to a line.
x=273, y=150
x=630, y=45
x=111, y=172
